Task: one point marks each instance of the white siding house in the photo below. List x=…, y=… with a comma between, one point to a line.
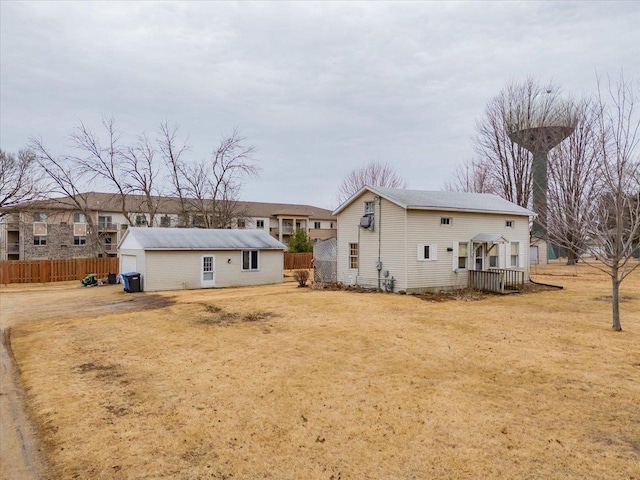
x=189, y=258
x=427, y=241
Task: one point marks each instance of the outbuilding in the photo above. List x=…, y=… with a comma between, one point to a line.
x=417, y=241
x=190, y=258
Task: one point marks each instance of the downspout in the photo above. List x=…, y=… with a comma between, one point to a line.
x=379, y=264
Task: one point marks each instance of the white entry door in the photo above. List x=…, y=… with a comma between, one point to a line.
x=208, y=274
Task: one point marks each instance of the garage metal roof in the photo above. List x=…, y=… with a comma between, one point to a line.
x=444, y=201
x=201, y=239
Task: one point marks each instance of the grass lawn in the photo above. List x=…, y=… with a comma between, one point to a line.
x=286, y=383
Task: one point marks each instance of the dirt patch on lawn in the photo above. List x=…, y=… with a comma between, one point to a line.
x=609, y=298
x=215, y=315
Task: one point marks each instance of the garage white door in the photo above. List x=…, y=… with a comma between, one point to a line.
x=128, y=263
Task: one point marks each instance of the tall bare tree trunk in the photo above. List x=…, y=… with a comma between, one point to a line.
x=615, y=300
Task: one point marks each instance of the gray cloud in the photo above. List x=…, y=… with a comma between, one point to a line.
x=319, y=88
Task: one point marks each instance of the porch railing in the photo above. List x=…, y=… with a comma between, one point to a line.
x=496, y=280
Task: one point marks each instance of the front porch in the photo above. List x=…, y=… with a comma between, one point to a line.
x=497, y=280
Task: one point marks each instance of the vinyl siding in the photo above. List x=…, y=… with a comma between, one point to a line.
x=390, y=225
x=423, y=227
x=176, y=270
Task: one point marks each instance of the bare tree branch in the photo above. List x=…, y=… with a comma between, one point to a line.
x=375, y=174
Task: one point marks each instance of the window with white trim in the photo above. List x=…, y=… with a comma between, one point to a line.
x=508, y=223
x=445, y=221
x=79, y=218
x=353, y=255
x=40, y=240
x=242, y=223
x=141, y=220
x=259, y=223
x=463, y=253
x=493, y=256
x=427, y=252
x=515, y=251
x=316, y=225
x=79, y=240
x=369, y=208
x=39, y=217
x=250, y=260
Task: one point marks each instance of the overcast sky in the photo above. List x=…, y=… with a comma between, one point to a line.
x=318, y=88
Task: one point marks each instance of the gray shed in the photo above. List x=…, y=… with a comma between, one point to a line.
x=189, y=258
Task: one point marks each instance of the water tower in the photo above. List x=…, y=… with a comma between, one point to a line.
x=539, y=125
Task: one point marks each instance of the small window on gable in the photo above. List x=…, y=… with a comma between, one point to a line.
x=369, y=208
x=445, y=221
x=508, y=224
x=427, y=252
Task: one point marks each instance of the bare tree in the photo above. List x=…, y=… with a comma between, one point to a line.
x=471, y=176
x=612, y=219
x=65, y=180
x=375, y=174
x=141, y=171
x=574, y=182
x=19, y=178
x=172, y=151
x=211, y=188
x=615, y=225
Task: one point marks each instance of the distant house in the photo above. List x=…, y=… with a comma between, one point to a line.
x=417, y=241
x=190, y=258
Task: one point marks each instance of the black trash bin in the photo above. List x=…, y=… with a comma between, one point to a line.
x=134, y=283
x=111, y=278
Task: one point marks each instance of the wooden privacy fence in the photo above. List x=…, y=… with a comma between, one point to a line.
x=44, y=271
x=296, y=261
x=496, y=280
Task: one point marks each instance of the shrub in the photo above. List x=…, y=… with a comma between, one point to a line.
x=301, y=277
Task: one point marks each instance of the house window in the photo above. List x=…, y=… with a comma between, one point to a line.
x=104, y=221
x=250, y=260
x=207, y=268
x=39, y=217
x=353, y=255
x=331, y=225
x=259, y=223
x=515, y=250
x=463, y=253
x=242, y=223
x=369, y=208
x=493, y=256
x=298, y=224
x=427, y=252
x=79, y=218
x=39, y=240
x=141, y=220
x=445, y=221
x=508, y=224
x=107, y=243
x=165, y=221
x=316, y=225
x=77, y=240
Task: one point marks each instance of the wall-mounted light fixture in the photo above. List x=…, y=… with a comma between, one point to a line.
x=229, y=260
x=449, y=249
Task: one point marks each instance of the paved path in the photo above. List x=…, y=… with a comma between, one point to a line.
x=20, y=456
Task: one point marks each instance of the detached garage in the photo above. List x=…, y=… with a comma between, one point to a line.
x=188, y=258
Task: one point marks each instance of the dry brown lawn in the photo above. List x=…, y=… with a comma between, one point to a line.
x=281, y=382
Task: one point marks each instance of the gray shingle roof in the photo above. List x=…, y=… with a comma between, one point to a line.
x=446, y=201
x=202, y=239
x=112, y=202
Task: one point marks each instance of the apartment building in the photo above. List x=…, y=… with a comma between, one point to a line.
x=57, y=228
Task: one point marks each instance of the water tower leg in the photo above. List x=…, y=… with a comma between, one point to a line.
x=540, y=186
